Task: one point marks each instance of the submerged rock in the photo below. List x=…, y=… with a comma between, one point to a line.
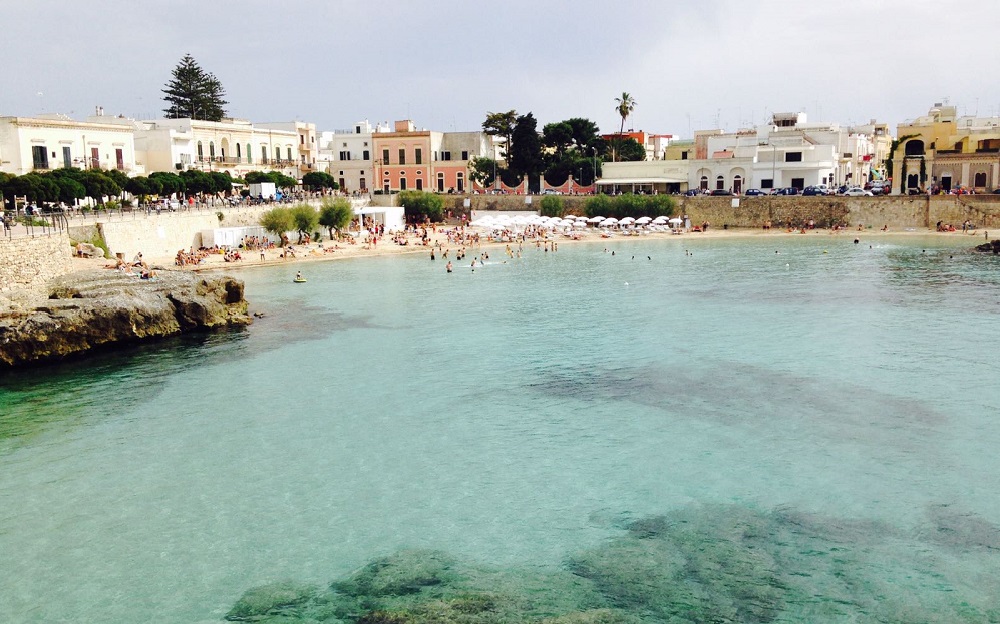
x=275, y=601
x=405, y=572
x=93, y=309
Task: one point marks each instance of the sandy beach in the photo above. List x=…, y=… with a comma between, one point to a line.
x=326, y=251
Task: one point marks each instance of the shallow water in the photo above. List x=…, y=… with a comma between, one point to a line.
x=518, y=416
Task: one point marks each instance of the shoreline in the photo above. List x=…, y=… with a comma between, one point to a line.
x=314, y=253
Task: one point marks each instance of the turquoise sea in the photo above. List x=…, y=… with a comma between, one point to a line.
x=742, y=430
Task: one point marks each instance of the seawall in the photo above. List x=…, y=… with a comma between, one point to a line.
x=898, y=212
x=28, y=263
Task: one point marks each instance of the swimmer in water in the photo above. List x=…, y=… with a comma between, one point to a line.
x=448, y=266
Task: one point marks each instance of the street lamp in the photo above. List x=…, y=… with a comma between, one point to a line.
x=593, y=180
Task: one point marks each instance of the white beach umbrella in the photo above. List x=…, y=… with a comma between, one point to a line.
x=595, y=219
x=659, y=220
x=676, y=221
x=627, y=221
x=643, y=220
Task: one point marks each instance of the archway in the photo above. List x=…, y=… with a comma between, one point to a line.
x=914, y=148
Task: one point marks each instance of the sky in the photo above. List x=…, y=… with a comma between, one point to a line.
x=689, y=64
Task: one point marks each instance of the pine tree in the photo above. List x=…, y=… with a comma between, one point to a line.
x=194, y=93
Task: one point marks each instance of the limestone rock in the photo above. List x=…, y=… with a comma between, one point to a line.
x=98, y=308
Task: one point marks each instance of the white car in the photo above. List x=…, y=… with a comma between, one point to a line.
x=857, y=191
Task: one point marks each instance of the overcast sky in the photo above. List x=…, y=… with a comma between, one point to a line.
x=689, y=64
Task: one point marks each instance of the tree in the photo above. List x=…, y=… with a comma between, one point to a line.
x=551, y=206
x=222, y=182
x=304, y=219
x=70, y=190
x=482, y=170
x=142, y=187
x=626, y=104
x=197, y=181
x=525, y=155
x=420, y=206
x=319, y=180
x=558, y=136
x=277, y=220
x=501, y=125
x=170, y=183
x=99, y=185
x=627, y=149
x=335, y=214
x=194, y=93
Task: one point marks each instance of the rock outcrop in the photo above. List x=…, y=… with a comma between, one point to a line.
x=95, y=309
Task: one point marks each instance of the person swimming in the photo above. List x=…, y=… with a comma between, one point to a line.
x=448, y=266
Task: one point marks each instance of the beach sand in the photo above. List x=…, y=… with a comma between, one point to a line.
x=320, y=252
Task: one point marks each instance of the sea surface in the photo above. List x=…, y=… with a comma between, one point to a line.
x=763, y=429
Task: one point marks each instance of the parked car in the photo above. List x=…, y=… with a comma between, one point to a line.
x=753, y=192
x=857, y=191
x=790, y=190
x=551, y=192
x=813, y=191
x=721, y=192
x=693, y=192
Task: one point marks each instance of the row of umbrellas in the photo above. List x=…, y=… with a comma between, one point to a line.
x=569, y=221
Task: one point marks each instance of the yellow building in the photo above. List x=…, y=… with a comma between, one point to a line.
x=942, y=151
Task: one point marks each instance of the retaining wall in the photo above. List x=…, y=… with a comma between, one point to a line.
x=28, y=263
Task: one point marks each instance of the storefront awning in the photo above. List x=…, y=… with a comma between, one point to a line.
x=613, y=181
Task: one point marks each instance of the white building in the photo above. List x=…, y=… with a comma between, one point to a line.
x=232, y=145
x=788, y=152
x=49, y=142
x=347, y=155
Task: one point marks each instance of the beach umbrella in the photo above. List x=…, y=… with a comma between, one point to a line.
x=676, y=221
x=643, y=220
x=595, y=219
x=659, y=220
x=627, y=221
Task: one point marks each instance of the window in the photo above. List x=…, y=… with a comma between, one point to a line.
x=402, y=155
x=420, y=184
x=684, y=155
x=39, y=157
x=980, y=179
x=357, y=129
x=120, y=158
x=704, y=183
x=793, y=156
x=249, y=154
x=201, y=151
x=385, y=157
x=766, y=184
x=799, y=183
x=460, y=182
x=465, y=154
x=302, y=139
x=445, y=155
x=362, y=184
x=365, y=155
x=289, y=150
x=263, y=154
x=67, y=156
x=402, y=184
x=211, y=150
x=418, y=156
x=720, y=183
x=345, y=155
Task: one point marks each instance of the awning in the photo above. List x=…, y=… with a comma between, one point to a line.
x=611, y=181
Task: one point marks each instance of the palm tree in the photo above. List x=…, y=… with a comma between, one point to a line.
x=626, y=104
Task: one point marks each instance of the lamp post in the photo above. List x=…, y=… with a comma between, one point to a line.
x=593, y=181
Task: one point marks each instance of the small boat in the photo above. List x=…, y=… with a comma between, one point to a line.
x=299, y=279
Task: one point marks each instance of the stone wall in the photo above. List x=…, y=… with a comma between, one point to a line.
x=898, y=212
x=28, y=263
x=164, y=234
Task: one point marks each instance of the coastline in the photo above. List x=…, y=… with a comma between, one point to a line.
x=316, y=252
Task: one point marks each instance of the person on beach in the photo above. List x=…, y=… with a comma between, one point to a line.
x=447, y=267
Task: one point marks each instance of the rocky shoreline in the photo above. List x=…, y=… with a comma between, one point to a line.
x=95, y=309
